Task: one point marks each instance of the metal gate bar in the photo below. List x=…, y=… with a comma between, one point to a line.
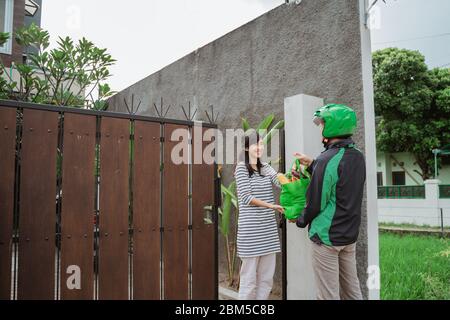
x=77, y=215
x=175, y=219
x=203, y=227
x=113, y=223
x=7, y=165
x=37, y=211
x=146, y=211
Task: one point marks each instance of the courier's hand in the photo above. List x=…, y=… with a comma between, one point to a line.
x=304, y=159
x=292, y=220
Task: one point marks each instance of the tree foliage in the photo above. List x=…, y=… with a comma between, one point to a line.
x=412, y=104
x=66, y=75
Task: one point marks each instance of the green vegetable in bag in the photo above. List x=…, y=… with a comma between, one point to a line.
x=293, y=194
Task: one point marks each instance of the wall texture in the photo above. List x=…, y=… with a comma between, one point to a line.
x=312, y=48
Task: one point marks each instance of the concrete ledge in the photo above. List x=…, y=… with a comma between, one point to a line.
x=418, y=231
x=227, y=294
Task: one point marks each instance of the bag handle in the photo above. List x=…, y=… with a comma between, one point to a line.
x=299, y=168
x=297, y=165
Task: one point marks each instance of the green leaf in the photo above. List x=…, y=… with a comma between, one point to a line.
x=268, y=137
x=226, y=214
x=245, y=125
x=4, y=37
x=265, y=124
x=229, y=200
x=230, y=190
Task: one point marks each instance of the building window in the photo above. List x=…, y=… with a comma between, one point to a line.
x=6, y=23
x=379, y=178
x=398, y=178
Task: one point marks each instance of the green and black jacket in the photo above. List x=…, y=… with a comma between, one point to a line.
x=334, y=196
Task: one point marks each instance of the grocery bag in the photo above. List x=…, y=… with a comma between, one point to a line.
x=293, y=193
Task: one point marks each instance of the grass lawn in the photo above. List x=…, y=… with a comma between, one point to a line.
x=414, y=267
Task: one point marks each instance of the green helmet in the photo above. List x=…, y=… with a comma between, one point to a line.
x=338, y=120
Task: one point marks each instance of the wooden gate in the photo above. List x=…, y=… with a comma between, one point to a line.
x=93, y=207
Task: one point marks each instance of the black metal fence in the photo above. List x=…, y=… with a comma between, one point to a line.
x=444, y=191
x=401, y=192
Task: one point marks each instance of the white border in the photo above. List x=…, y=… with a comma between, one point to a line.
x=8, y=27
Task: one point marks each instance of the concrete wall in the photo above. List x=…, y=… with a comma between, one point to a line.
x=313, y=48
x=417, y=211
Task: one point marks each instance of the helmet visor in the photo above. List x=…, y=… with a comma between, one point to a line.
x=318, y=121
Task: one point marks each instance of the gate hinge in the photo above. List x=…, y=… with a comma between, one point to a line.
x=161, y=229
x=161, y=139
x=190, y=227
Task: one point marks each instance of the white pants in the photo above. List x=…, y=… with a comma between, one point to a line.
x=257, y=277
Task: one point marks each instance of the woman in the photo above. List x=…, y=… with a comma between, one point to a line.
x=257, y=238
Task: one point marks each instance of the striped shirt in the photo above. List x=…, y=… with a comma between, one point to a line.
x=257, y=226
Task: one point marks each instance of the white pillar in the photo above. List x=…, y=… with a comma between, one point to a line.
x=302, y=135
x=373, y=282
x=432, y=198
x=388, y=162
x=432, y=191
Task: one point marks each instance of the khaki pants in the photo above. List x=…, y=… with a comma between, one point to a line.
x=256, y=277
x=335, y=272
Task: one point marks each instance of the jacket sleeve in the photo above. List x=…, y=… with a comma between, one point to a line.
x=244, y=189
x=310, y=168
x=316, y=196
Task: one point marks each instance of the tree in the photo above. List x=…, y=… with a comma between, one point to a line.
x=66, y=75
x=412, y=104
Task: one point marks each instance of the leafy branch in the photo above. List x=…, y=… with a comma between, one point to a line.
x=68, y=74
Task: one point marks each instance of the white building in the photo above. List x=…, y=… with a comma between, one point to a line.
x=398, y=169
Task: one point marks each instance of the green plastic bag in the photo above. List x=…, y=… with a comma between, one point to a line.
x=293, y=194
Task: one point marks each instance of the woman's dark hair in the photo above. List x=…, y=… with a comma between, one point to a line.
x=251, y=139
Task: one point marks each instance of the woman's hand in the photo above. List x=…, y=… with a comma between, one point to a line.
x=277, y=208
x=304, y=159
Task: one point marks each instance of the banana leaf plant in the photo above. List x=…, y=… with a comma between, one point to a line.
x=230, y=202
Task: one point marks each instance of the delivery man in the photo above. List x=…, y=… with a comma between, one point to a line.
x=333, y=204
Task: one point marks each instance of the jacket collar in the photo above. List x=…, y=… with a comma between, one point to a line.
x=341, y=143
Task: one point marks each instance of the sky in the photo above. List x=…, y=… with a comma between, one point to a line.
x=416, y=25
x=146, y=35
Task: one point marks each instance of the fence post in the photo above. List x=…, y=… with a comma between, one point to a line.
x=432, y=196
